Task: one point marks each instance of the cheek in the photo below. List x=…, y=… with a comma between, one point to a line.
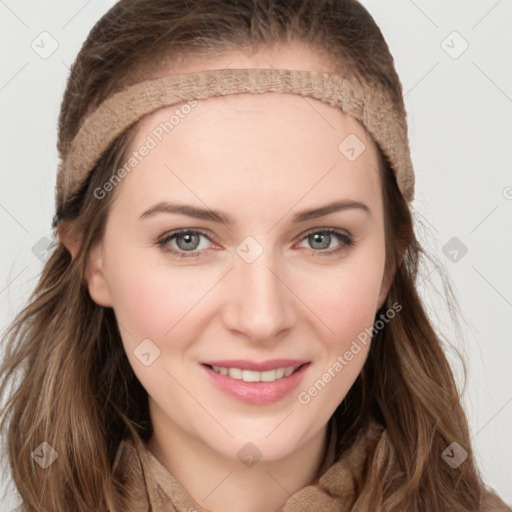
x=346, y=306
x=139, y=295
x=347, y=301
x=150, y=300
x=142, y=301
x=155, y=305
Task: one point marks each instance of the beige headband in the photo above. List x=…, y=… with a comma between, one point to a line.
x=370, y=104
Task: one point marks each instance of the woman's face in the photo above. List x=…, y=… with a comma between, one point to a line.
x=223, y=248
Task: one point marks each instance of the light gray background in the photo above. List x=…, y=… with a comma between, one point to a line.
x=460, y=117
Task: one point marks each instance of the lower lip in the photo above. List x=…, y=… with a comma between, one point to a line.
x=257, y=393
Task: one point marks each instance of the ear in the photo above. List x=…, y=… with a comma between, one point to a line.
x=94, y=276
x=99, y=290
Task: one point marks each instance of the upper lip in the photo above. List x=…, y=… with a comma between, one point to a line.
x=256, y=366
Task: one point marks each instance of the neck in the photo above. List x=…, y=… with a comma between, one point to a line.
x=226, y=485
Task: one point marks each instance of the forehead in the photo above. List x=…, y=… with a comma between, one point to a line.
x=259, y=149
x=245, y=122
x=265, y=144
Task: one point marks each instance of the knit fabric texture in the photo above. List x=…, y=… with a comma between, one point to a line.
x=369, y=103
x=148, y=486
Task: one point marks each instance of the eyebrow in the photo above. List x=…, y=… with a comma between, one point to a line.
x=222, y=217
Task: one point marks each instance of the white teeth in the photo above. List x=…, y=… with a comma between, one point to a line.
x=288, y=371
x=250, y=376
x=254, y=376
x=268, y=376
x=235, y=373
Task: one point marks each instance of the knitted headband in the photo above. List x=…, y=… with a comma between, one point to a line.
x=370, y=104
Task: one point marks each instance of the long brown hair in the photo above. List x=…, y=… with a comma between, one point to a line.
x=76, y=389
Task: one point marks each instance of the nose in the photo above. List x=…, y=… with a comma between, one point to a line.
x=259, y=303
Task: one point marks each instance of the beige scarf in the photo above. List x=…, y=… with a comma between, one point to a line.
x=148, y=486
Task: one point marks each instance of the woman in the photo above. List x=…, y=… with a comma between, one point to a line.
x=230, y=321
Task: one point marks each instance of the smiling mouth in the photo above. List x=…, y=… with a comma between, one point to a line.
x=256, y=383
x=256, y=376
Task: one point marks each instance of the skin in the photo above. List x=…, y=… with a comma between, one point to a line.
x=260, y=158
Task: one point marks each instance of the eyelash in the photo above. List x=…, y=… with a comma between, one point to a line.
x=162, y=242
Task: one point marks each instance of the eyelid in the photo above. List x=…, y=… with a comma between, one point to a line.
x=346, y=238
x=165, y=237
x=326, y=230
